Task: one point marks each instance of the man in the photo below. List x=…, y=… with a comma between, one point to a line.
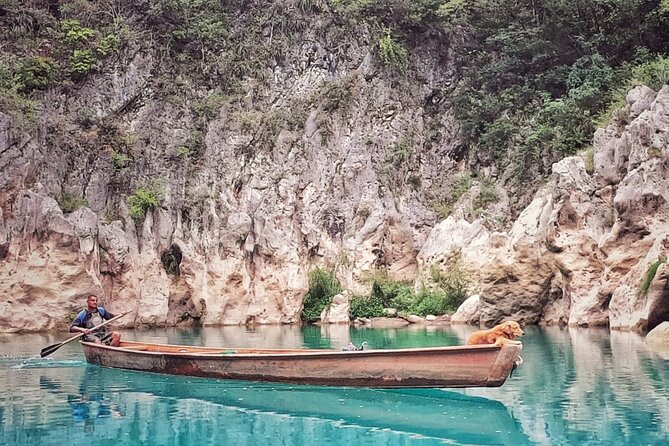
x=91, y=317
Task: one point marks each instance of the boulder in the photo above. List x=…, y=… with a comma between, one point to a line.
x=469, y=312
x=415, y=319
x=338, y=310
x=658, y=337
x=388, y=322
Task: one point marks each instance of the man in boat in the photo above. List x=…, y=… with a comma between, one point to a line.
x=91, y=317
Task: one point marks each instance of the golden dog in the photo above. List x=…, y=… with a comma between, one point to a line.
x=501, y=334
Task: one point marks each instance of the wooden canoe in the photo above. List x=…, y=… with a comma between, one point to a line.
x=459, y=366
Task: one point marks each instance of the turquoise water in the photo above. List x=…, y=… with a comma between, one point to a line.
x=580, y=387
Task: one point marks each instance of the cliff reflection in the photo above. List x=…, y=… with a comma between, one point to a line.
x=588, y=386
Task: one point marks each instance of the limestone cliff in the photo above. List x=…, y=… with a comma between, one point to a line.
x=290, y=146
x=591, y=249
x=324, y=160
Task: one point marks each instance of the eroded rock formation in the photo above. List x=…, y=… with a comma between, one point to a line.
x=328, y=164
x=591, y=249
x=240, y=225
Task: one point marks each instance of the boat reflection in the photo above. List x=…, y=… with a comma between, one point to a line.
x=430, y=413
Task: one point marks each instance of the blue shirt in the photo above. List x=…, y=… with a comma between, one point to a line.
x=83, y=319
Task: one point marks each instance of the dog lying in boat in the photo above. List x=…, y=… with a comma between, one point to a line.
x=504, y=333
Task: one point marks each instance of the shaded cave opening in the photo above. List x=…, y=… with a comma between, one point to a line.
x=171, y=260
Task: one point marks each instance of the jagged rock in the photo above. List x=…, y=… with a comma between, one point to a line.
x=579, y=252
x=266, y=199
x=53, y=266
x=114, y=248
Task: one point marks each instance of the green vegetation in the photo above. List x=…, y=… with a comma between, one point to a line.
x=448, y=292
x=74, y=33
x=81, y=63
x=530, y=80
x=366, y=306
x=70, y=202
x=194, y=28
x=487, y=195
x=323, y=286
x=461, y=186
x=209, y=106
x=393, y=53
x=336, y=95
x=108, y=45
x=398, y=154
x=654, y=72
x=35, y=73
x=534, y=76
x=120, y=160
x=184, y=152
x=531, y=93
x=650, y=275
x=143, y=199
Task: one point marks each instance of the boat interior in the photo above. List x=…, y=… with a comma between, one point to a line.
x=166, y=348
x=188, y=349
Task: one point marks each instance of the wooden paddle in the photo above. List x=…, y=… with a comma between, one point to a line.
x=52, y=348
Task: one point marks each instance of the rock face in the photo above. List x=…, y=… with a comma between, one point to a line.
x=591, y=249
x=327, y=163
x=326, y=159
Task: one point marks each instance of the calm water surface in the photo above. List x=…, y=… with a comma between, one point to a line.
x=580, y=387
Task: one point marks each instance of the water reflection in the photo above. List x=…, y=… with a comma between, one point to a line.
x=576, y=387
x=98, y=403
x=586, y=386
x=429, y=413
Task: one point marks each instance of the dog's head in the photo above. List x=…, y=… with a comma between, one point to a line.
x=512, y=329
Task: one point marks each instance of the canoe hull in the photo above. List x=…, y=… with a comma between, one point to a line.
x=472, y=366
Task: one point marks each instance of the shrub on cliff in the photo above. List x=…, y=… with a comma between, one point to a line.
x=143, y=199
x=70, y=202
x=323, y=286
x=650, y=275
x=653, y=72
x=393, y=53
x=36, y=73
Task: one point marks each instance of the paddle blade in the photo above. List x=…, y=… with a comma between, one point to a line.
x=46, y=351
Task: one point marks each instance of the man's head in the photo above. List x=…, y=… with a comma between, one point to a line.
x=92, y=302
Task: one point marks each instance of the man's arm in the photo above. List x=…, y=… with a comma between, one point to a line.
x=77, y=324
